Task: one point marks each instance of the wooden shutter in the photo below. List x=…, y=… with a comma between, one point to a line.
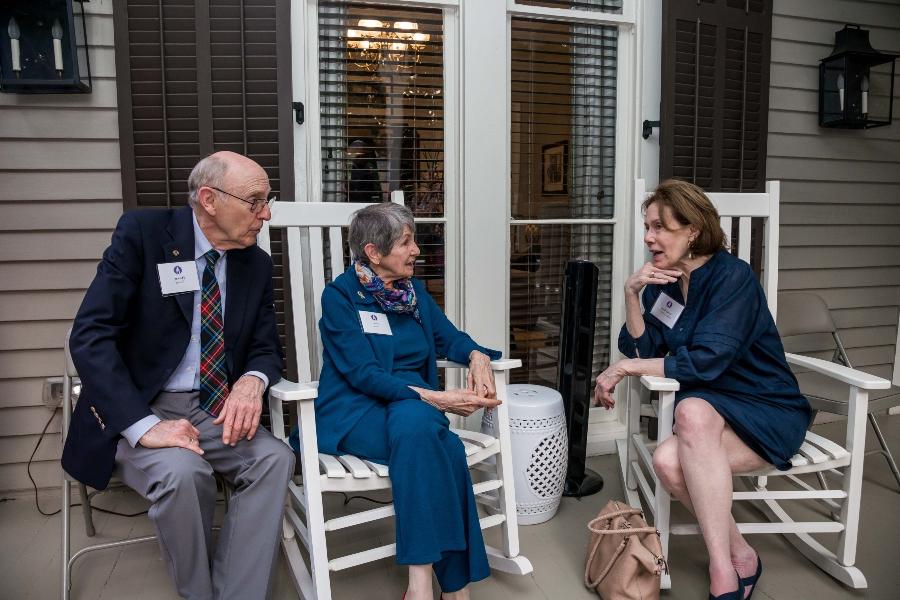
x=196, y=77
x=715, y=92
x=199, y=76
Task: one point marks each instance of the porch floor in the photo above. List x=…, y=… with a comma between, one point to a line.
x=29, y=555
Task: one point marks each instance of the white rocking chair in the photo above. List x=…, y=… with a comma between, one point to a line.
x=816, y=455
x=303, y=226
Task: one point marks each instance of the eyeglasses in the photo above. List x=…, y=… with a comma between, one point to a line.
x=256, y=205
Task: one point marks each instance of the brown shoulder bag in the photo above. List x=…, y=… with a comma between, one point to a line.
x=625, y=560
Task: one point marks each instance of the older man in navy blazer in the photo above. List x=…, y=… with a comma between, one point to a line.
x=175, y=343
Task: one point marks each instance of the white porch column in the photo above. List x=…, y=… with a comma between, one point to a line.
x=485, y=197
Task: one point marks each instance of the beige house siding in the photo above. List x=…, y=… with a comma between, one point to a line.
x=60, y=197
x=840, y=213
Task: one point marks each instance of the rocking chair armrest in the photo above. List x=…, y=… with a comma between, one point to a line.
x=289, y=391
x=660, y=384
x=504, y=364
x=851, y=377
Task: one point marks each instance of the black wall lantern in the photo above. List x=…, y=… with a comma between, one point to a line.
x=44, y=47
x=856, y=83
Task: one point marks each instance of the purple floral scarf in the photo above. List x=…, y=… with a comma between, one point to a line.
x=400, y=300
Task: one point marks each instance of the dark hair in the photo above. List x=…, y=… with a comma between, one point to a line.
x=690, y=206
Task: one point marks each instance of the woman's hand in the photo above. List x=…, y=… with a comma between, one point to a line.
x=649, y=275
x=459, y=402
x=606, y=384
x=481, y=378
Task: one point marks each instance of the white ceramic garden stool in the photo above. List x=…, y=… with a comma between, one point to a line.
x=540, y=449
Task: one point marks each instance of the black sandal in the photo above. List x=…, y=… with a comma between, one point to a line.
x=748, y=581
x=735, y=595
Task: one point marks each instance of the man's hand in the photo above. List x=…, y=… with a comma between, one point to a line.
x=172, y=434
x=240, y=414
x=481, y=378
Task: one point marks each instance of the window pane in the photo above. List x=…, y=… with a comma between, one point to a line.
x=563, y=120
x=537, y=272
x=381, y=89
x=563, y=167
x=381, y=85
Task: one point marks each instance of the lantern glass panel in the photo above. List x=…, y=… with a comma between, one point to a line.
x=879, y=94
x=834, y=89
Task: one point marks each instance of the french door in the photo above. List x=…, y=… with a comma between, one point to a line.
x=508, y=127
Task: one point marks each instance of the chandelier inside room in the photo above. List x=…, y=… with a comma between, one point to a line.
x=378, y=45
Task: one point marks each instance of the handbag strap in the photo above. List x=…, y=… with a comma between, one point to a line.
x=587, y=569
x=625, y=530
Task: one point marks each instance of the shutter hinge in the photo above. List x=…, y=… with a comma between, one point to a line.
x=648, y=128
x=299, y=115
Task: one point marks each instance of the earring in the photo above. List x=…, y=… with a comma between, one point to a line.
x=691, y=249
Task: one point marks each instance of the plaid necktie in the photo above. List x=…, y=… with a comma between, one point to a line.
x=213, y=375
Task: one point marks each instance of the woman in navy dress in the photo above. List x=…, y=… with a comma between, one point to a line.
x=379, y=399
x=706, y=323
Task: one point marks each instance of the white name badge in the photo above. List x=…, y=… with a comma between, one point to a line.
x=373, y=322
x=178, y=277
x=666, y=310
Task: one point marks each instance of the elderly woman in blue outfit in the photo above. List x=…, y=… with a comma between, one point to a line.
x=706, y=323
x=379, y=399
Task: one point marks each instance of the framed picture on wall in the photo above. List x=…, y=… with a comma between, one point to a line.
x=555, y=168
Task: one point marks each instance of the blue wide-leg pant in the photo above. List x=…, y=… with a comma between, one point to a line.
x=436, y=517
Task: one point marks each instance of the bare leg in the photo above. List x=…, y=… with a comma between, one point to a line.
x=702, y=458
x=419, y=583
x=462, y=594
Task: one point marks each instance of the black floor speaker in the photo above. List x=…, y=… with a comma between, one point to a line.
x=576, y=384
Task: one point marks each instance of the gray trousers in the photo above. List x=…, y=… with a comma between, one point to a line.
x=182, y=488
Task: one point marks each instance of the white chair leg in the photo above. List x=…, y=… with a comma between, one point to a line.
x=510, y=526
x=662, y=498
x=315, y=512
x=66, y=536
x=852, y=484
x=633, y=426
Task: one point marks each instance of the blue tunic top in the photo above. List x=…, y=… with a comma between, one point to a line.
x=362, y=369
x=725, y=349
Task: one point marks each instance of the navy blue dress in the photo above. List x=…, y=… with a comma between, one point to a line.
x=724, y=348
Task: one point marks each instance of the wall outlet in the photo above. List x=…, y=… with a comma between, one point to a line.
x=53, y=392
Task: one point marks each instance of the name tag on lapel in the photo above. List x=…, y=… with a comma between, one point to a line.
x=373, y=322
x=667, y=310
x=178, y=277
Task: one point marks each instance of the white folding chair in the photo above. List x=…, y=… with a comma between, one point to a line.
x=309, y=258
x=816, y=455
x=70, y=380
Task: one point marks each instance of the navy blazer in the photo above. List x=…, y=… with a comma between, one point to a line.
x=357, y=368
x=128, y=338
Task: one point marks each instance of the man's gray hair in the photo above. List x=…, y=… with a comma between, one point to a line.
x=379, y=224
x=209, y=171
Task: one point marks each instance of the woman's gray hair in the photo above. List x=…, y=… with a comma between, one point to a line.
x=209, y=171
x=380, y=224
